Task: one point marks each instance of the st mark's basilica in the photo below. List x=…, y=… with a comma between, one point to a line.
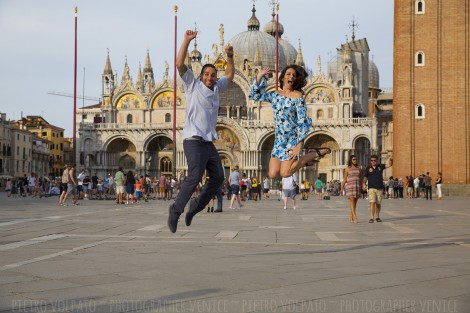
x=133, y=125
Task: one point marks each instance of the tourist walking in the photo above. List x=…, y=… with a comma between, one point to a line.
x=234, y=182
x=288, y=190
x=373, y=180
x=353, y=183
x=439, y=186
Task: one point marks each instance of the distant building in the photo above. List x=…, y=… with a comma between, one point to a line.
x=55, y=135
x=5, y=146
x=22, y=146
x=40, y=156
x=22, y=152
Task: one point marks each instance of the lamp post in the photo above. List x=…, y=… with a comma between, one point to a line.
x=277, y=44
x=174, y=95
x=74, y=135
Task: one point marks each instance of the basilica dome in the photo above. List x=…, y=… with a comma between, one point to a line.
x=270, y=28
x=289, y=51
x=247, y=43
x=373, y=75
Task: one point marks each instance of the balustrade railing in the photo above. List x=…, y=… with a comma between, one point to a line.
x=244, y=123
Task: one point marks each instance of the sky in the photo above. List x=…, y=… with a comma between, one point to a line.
x=37, y=41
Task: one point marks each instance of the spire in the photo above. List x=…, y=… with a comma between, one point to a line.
x=270, y=28
x=148, y=66
x=196, y=56
x=253, y=22
x=139, y=76
x=107, y=68
x=353, y=27
x=319, y=64
x=126, y=77
x=257, y=58
x=299, y=60
x=221, y=37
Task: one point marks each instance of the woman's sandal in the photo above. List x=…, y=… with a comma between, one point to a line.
x=319, y=155
x=318, y=150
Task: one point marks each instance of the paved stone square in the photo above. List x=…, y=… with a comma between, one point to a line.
x=103, y=257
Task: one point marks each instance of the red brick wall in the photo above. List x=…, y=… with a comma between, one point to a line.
x=439, y=142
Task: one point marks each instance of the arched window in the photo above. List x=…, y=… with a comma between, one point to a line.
x=420, y=6
x=320, y=114
x=420, y=111
x=129, y=118
x=167, y=118
x=420, y=59
x=166, y=165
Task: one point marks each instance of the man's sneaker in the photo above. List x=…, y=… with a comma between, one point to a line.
x=218, y=210
x=191, y=212
x=172, y=219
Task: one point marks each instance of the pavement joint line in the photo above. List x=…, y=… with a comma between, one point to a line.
x=401, y=229
x=53, y=217
x=29, y=242
x=152, y=227
x=227, y=234
x=233, y=242
x=456, y=213
x=49, y=256
x=331, y=236
x=18, y=221
x=395, y=214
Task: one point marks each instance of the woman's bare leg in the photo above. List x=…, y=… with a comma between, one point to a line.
x=274, y=167
x=289, y=167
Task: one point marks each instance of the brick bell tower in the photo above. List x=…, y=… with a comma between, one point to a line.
x=431, y=91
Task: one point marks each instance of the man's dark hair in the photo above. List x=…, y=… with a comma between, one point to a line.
x=206, y=66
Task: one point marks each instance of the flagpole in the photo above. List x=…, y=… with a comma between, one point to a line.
x=174, y=95
x=277, y=44
x=74, y=135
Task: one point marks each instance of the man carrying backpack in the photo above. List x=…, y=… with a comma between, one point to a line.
x=255, y=186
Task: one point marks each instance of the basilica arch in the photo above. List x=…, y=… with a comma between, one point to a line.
x=158, y=155
x=329, y=166
x=265, y=148
x=121, y=152
x=362, y=150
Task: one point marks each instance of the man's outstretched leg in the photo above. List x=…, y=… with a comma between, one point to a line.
x=196, y=157
x=215, y=173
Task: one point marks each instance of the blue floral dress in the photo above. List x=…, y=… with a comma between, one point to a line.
x=290, y=116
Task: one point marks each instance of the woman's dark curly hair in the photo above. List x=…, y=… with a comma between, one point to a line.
x=300, y=77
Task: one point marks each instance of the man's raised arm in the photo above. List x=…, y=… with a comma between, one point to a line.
x=188, y=36
x=230, y=68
